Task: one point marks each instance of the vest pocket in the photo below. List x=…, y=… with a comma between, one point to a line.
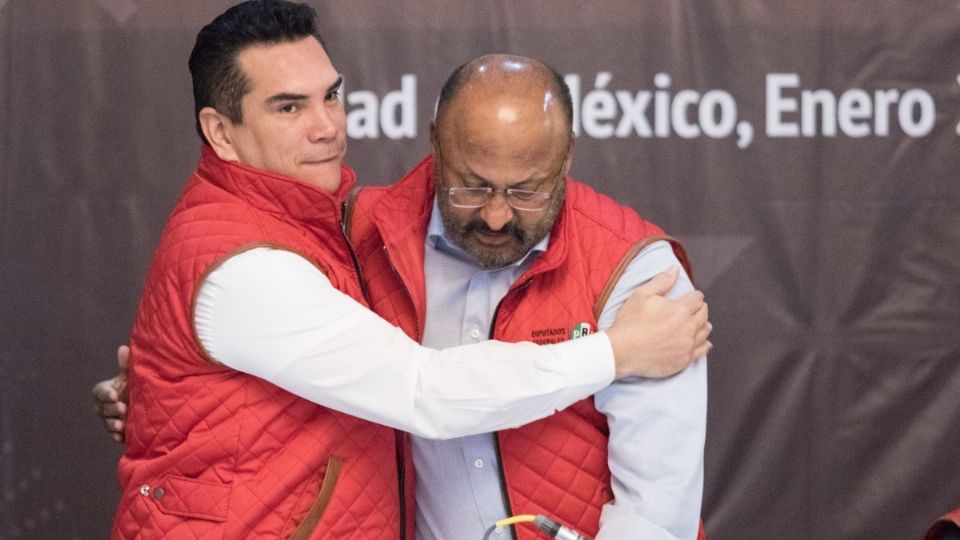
x=327, y=485
x=188, y=497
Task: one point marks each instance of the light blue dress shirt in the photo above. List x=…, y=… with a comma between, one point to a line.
x=657, y=426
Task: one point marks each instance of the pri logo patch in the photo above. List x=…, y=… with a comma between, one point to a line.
x=580, y=330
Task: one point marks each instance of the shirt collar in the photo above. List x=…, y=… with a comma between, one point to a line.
x=438, y=239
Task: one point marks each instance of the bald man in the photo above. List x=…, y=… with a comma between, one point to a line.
x=489, y=239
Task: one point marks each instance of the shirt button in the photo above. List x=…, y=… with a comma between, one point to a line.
x=475, y=333
x=478, y=463
x=158, y=494
x=145, y=490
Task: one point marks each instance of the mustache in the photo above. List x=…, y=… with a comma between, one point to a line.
x=478, y=225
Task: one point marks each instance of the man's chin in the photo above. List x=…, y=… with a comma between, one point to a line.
x=490, y=256
x=324, y=175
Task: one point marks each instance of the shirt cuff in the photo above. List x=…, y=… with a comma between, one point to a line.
x=621, y=524
x=588, y=364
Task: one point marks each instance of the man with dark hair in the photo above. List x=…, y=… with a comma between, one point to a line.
x=261, y=388
x=218, y=82
x=489, y=238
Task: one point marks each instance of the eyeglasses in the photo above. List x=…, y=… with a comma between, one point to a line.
x=518, y=199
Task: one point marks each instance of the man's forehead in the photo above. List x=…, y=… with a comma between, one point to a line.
x=532, y=95
x=503, y=126
x=294, y=67
x=484, y=107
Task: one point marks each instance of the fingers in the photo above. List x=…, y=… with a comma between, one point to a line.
x=702, y=350
x=703, y=330
x=661, y=336
x=114, y=427
x=113, y=416
x=123, y=357
x=105, y=391
x=703, y=333
x=108, y=396
x=693, y=301
x=115, y=409
x=660, y=284
x=120, y=385
x=701, y=314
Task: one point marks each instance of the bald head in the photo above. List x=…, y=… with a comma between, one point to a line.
x=508, y=106
x=506, y=67
x=503, y=123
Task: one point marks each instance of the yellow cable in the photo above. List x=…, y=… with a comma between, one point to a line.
x=523, y=518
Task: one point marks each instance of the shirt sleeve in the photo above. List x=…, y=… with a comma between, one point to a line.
x=272, y=314
x=657, y=431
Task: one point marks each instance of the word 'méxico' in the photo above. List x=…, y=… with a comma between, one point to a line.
x=602, y=111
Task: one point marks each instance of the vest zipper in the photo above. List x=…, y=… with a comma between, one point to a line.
x=403, y=285
x=400, y=450
x=496, y=311
x=353, y=256
x=508, y=505
x=398, y=436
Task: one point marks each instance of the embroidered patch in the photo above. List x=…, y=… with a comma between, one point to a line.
x=546, y=336
x=580, y=330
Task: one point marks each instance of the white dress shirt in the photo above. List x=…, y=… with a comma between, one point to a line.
x=272, y=314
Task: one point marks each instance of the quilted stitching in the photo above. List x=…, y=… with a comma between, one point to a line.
x=258, y=451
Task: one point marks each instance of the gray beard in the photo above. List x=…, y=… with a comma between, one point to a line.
x=462, y=233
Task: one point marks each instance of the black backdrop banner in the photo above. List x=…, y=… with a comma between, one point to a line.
x=806, y=152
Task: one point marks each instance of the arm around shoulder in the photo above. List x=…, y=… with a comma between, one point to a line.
x=272, y=314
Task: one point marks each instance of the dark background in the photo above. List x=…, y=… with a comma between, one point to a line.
x=831, y=263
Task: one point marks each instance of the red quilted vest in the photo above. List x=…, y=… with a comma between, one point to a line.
x=215, y=453
x=556, y=466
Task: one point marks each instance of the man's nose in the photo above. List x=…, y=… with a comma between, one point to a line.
x=497, y=212
x=323, y=124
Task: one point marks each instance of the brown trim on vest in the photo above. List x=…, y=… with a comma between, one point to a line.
x=309, y=523
x=348, y=205
x=625, y=262
x=213, y=266
x=683, y=257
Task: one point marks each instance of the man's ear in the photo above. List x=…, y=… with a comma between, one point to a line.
x=434, y=146
x=216, y=128
x=568, y=160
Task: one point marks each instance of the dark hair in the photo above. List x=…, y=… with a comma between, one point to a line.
x=218, y=81
x=462, y=75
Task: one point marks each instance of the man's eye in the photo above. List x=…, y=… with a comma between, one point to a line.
x=523, y=195
x=289, y=108
x=333, y=96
